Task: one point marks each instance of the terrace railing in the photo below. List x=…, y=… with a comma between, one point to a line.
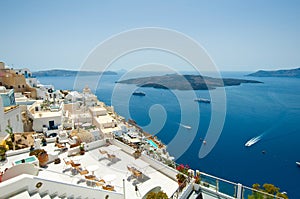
x=225, y=189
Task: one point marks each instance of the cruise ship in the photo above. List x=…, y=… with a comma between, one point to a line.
x=202, y=100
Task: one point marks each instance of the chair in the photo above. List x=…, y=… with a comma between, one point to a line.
x=75, y=164
x=61, y=146
x=108, y=187
x=67, y=162
x=82, y=171
x=102, y=151
x=90, y=177
x=100, y=182
x=111, y=156
x=137, y=173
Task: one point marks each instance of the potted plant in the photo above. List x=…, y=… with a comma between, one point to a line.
x=9, y=130
x=181, y=179
x=81, y=148
x=42, y=156
x=197, y=182
x=156, y=195
x=2, y=152
x=183, y=169
x=44, y=141
x=137, y=154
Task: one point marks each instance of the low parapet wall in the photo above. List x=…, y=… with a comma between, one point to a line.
x=35, y=184
x=25, y=168
x=161, y=167
x=17, y=152
x=123, y=146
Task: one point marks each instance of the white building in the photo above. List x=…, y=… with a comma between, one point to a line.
x=10, y=116
x=49, y=119
x=86, y=98
x=47, y=92
x=102, y=120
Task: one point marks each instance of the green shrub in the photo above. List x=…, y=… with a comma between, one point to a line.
x=157, y=195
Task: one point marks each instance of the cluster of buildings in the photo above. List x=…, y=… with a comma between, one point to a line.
x=26, y=105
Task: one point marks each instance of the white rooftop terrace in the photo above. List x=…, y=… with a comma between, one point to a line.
x=46, y=114
x=115, y=169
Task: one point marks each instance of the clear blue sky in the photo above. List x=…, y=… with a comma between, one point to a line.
x=238, y=35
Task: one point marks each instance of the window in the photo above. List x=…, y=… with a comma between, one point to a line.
x=17, y=118
x=8, y=122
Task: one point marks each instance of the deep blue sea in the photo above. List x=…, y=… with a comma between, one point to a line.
x=270, y=110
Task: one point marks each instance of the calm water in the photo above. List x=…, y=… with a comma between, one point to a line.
x=271, y=110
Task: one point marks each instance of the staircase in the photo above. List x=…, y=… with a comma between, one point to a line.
x=25, y=195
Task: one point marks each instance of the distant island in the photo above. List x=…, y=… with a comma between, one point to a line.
x=277, y=73
x=66, y=73
x=185, y=82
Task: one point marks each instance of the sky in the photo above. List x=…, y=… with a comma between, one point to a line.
x=237, y=35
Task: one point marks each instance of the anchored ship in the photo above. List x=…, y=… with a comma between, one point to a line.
x=202, y=100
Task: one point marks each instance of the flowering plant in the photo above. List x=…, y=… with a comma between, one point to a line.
x=197, y=177
x=183, y=169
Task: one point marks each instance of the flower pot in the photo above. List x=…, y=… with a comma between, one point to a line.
x=181, y=184
x=196, y=187
x=43, y=159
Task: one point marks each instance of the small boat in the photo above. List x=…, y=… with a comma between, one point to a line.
x=139, y=93
x=252, y=141
x=298, y=163
x=202, y=100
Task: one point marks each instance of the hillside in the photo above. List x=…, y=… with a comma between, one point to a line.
x=60, y=72
x=277, y=73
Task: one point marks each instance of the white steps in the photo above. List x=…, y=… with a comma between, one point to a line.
x=36, y=196
x=22, y=195
x=26, y=195
x=46, y=197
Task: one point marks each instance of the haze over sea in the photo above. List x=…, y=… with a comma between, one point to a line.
x=270, y=110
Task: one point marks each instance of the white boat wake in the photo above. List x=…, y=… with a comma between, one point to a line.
x=253, y=140
x=185, y=126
